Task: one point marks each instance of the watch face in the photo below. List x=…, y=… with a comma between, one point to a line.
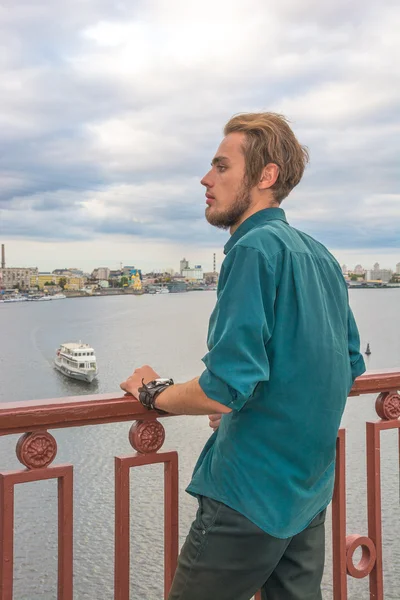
x=161, y=381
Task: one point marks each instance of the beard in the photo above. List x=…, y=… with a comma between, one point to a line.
x=229, y=217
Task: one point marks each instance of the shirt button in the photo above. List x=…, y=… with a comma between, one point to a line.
x=204, y=532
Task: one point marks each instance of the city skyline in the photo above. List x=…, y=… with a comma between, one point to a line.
x=207, y=264
x=110, y=117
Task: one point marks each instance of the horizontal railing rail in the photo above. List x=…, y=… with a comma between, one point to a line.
x=37, y=449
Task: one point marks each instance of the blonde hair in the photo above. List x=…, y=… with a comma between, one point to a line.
x=269, y=139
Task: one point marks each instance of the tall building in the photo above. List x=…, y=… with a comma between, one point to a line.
x=359, y=270
x=101, y=273
x=398, y=268
x=184, y=264
x=344, y=269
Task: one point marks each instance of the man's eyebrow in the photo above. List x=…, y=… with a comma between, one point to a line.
x=217, y=159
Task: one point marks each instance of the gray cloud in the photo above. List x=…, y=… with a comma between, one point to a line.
x=110, y=113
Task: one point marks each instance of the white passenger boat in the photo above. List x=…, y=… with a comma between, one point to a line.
x=77, y=361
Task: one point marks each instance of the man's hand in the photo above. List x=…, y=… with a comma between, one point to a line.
x=214, y=421
x=134, y=381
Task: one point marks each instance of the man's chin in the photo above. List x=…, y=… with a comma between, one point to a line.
x=215, y=219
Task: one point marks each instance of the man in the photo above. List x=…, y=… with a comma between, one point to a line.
x=283, y=355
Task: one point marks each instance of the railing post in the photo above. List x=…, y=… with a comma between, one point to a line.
x=147, y=438
x=339, y=521
x=375, y=507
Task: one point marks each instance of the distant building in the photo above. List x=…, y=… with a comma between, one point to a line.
x=211, y=278
x=75, y=283
x=359, y=270
x=184, y=265
x=383, y=275
x=398, y=269
x=76, y=272
x=195, y=274
x=39, y=280
x=101, y=273
x=20, y=277
x=344, y=269
x=130, y=271
x=62, y=272
x=47, y=280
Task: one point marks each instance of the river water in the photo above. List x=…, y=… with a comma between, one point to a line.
x=169, y=333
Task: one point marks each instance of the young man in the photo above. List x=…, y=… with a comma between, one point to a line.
x=283, y=355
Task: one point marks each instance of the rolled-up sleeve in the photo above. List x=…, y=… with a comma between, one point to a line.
x=240, y=328
x=356, y=358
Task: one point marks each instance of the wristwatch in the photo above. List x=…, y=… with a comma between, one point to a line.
x=149, y=392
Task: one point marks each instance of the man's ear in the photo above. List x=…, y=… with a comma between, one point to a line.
x=269, y=175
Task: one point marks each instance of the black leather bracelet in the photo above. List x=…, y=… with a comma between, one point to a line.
x=150, y=391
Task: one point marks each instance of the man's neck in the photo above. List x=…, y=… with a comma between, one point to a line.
x=252, y=210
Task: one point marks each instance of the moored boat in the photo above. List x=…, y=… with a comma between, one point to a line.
x=77, y=361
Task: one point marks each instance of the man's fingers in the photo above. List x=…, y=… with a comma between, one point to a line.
x=214, y=421
x=214, y=417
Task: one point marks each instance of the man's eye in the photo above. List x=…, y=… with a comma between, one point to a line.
x=221, y=168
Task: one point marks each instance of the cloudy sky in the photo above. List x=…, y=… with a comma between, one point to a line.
x=111, y=111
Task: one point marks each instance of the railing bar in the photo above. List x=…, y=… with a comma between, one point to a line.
x=375, y=507
x=6, y=538
x=122, y=530
x=171, y=520
x=339, y=521
x=65, y=535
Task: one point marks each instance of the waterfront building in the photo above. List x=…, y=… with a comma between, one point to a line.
x=398, y=268
x=12, y=277
x=39, y=280
x=129, y=271
x=344, y=269
x=211, y=278
x=359, y=270
x=383, y=275
x=75, y=284
x=101, y=273
x=184, y=265
x=195, y=274
x=136, y=283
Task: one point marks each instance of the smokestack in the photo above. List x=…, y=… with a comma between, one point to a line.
x=3, y=257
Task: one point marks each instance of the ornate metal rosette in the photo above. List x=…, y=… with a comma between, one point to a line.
x=36, y=450
x=147, y=436
x=388, y=405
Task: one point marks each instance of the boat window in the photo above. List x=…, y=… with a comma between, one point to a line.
x=92, y=365
x=81, y=365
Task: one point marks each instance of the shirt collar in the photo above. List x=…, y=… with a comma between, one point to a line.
x=259, y=218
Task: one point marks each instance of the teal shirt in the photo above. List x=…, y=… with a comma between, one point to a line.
x=283, y=355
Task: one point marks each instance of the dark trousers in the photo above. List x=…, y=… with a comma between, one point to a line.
x=227, y=557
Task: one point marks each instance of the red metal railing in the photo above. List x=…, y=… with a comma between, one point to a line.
x=36, y=450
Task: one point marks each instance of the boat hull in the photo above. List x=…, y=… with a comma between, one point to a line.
x=78, y=375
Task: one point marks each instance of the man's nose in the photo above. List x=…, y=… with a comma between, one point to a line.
x=207, y=180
